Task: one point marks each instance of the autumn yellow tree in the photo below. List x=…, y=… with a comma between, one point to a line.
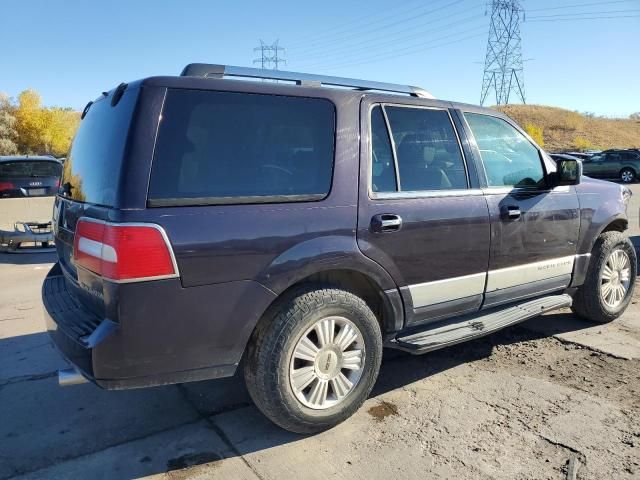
x=43, y=130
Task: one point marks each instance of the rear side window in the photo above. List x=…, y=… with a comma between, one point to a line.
x=91, y=173
x=222, y=147
x=510, y=160
x=30, y=169
x=427, y=149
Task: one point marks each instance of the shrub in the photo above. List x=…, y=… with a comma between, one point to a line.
x=535, y=132
x=581, y=143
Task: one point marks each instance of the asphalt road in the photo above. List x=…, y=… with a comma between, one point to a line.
x=522, y=403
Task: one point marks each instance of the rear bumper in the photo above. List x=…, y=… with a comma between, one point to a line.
x=27, y=232
x=165, y=334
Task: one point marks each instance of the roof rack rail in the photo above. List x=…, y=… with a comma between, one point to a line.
x=304, y=79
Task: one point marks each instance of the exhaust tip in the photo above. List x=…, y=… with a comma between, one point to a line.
x=70, y=376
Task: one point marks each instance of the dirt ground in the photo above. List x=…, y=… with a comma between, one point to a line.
x=555, y=397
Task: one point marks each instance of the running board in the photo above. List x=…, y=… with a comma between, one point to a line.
x=477, y=325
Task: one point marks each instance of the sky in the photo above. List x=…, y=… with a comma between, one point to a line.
x=576, y=56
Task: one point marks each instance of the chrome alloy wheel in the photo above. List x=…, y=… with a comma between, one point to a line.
x=327, y=363
x=627, y=176
x=615, y=278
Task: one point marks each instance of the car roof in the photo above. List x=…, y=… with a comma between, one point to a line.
x=28, y=158
x=281, y=88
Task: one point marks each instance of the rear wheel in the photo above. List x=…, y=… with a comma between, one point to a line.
x=610, y=280
x=627, y=175
x=313, y=364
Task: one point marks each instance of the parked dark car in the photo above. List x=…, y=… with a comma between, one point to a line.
x=28, y=185
x=579, y=155
x=301, y=229
x=623, y=165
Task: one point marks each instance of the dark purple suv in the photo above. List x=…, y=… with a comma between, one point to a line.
x=300, y=229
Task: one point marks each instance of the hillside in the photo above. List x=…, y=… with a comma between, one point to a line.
x=566, y=130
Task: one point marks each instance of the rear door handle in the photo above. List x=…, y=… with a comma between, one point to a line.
x=511, y=212
x=386, y=222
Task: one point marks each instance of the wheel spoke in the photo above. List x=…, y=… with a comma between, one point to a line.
x=341, y=385
x=325, y=331
x=318, y=393
x=302, y=377
x=607, y=272
x=606, y=288
x=306, y=350
x=621, y=292
x=625, y=275
x=352, y=359
x=346, y=337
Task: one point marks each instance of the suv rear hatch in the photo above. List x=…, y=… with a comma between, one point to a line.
x=90, y=188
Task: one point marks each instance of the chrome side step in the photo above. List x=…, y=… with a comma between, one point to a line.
x=477, y=325
x=70, y=376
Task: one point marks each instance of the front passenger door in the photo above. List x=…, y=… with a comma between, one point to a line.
x=534, y=227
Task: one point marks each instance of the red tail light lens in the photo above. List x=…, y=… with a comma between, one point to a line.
x=123, y=252
x=6, y=186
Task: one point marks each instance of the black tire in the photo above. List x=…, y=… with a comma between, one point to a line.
x=588, y=302
x=627, y=175
x=271, y=348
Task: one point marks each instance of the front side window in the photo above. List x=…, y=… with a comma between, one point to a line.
x=510, y=160
x=427, y=150
x=223, y=147
x=383, y=175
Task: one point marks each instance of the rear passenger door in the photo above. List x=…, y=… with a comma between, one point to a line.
x=534, y=228
x=421, y=213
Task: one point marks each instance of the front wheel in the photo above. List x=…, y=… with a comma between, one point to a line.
x=627, y=175
x=610, y=280
x=313, y=363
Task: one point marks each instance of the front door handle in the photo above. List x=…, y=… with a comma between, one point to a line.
x=511, y=212
x=386, y=222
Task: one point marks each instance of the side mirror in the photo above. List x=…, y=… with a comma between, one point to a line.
x=568, y=172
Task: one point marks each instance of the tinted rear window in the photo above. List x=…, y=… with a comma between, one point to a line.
x=221, y=147
x=92, y=170
x=30, y=169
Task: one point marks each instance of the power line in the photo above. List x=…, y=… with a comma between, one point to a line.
x=579, y=14
x=348, y=26
x=503, y=67
x=573, y=19
x=321, y=45
x=408, y=50
x=576, y=5
x=386, y=42
x=269, y=55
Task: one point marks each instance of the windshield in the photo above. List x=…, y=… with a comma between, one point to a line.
x=30, y=169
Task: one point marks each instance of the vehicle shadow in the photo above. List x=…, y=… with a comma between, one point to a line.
x=31, y=257
x=44, y=424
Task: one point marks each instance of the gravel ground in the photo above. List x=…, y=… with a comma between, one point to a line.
x=526, y=402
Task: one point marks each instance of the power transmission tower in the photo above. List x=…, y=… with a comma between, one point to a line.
x=269, y=55
x=503, y=70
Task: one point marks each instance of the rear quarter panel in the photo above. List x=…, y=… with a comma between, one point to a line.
x=601, y=203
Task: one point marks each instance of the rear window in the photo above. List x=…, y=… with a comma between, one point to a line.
x=221, y=147
x=30, y=169
x=91, y=173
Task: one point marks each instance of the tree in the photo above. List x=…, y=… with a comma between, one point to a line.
x=44, y=130
x=635, y=116
x=8, y=132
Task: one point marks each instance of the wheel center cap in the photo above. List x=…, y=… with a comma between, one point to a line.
x=327, y=364
x=615, y=278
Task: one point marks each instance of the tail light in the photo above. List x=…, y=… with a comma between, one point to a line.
x=6, y=186
x=126, y=252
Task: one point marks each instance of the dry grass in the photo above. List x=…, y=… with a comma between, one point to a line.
x=567, y=130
